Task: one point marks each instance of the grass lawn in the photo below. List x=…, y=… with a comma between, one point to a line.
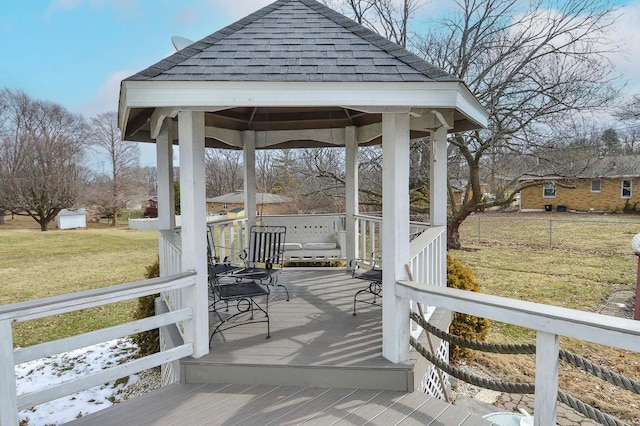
x=36, y=264
x=565, y=277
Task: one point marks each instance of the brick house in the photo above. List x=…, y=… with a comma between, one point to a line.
x=608, y=184
x=266, y=203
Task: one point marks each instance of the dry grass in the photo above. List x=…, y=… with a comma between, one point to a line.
x=36, y=264
x=566, y=231
x=563, y=277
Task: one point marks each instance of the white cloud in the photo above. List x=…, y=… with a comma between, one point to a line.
x=124, y=8
x=57, y=5
x=106, y=97
x=186, y=16
x=239, y=9
x=627, y=34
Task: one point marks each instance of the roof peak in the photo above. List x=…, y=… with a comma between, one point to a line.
x=294, y=40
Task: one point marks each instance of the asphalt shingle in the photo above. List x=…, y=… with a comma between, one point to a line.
x=294, y=40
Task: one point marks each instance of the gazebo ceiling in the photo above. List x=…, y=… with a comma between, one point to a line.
x=297, y=71
x=270, y=119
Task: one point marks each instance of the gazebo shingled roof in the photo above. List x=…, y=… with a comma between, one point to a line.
x=296, y=42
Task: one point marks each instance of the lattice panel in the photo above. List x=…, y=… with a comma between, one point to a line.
x=167, y=371
x=430, y=382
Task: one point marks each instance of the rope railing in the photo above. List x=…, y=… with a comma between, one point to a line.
x=523, y=388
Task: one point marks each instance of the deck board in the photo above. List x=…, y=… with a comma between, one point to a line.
x=316, y=327
x=305, y=374
x=260, y=405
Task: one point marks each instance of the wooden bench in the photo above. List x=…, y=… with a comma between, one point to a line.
x=312, y=238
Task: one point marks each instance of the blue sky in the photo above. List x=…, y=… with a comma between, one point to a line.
x=76, y=52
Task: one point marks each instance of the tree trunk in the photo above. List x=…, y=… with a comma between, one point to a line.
x=43, y=225
x=469, y=206
x=453, y=233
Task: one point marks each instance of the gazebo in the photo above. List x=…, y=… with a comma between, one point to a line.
x=297, y=74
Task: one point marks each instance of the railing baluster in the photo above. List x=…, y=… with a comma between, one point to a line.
x=547, y=364
x=8, y=392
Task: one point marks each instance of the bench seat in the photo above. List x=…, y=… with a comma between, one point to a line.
x=313, y=238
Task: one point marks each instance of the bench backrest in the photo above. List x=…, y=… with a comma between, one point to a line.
x=305, y=229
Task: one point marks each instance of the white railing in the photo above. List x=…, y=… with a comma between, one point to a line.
x=428, y=256
x=170, y=252
x=369, y=231
x=428, y=264
x=229, y=237
x=550, y=322
x=11, y=402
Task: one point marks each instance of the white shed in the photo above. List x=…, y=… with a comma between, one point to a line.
x=71, y=219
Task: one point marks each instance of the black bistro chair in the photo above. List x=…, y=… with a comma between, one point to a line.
x=237, y=289
x=265, y=259
x=373, y=276
x=235, y=297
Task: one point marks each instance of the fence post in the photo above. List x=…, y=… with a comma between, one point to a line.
x=8, y=391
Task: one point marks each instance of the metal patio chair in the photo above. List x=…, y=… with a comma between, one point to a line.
x=265, y=259
x=373, y=276
x=234, y=295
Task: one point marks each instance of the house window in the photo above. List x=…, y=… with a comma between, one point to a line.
x=595, y=185
x=626, y=188
x=224, y=206
x=549, y=190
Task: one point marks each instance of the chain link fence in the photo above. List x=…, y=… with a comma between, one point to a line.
x=553, y=230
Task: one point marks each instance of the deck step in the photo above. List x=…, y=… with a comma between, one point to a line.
x=403, y=378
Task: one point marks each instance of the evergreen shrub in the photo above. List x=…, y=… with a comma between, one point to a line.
x=463, y=325
x=148, y=341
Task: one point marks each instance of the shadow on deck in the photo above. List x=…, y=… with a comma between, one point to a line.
x=262, y=405
x=315, y=341
x=322, y=366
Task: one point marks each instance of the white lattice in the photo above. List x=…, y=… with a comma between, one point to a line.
x=430, y=382
x=167, y=370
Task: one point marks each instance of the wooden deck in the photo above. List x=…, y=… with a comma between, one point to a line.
x=322, y=366
x=262, y=405
x=315, y=341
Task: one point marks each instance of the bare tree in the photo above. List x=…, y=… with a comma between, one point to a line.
x=530, y=68
x=390, y=18
x=41, y=153
x=266, y=171
x=223, y=168
x=631, y=110
x=124, y=158
x=149, y=177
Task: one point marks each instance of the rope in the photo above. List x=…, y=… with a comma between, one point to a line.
x=574, y=359
x=523, y=388
x=600, y=372
x=473, y=344
x=589, y=411
x=512, y=387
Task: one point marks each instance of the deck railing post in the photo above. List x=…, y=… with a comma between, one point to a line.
x=8, y=391
x=547, y=363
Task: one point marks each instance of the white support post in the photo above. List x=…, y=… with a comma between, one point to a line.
x=8, y=391
x=438, y=181
x=395, y=234
x=547, y=364
x=438, y=190
x=249, y=153
x=193, y=211
x=164, y=161
x=351, y=193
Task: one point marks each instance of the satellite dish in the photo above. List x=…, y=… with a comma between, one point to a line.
x=180, y=42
